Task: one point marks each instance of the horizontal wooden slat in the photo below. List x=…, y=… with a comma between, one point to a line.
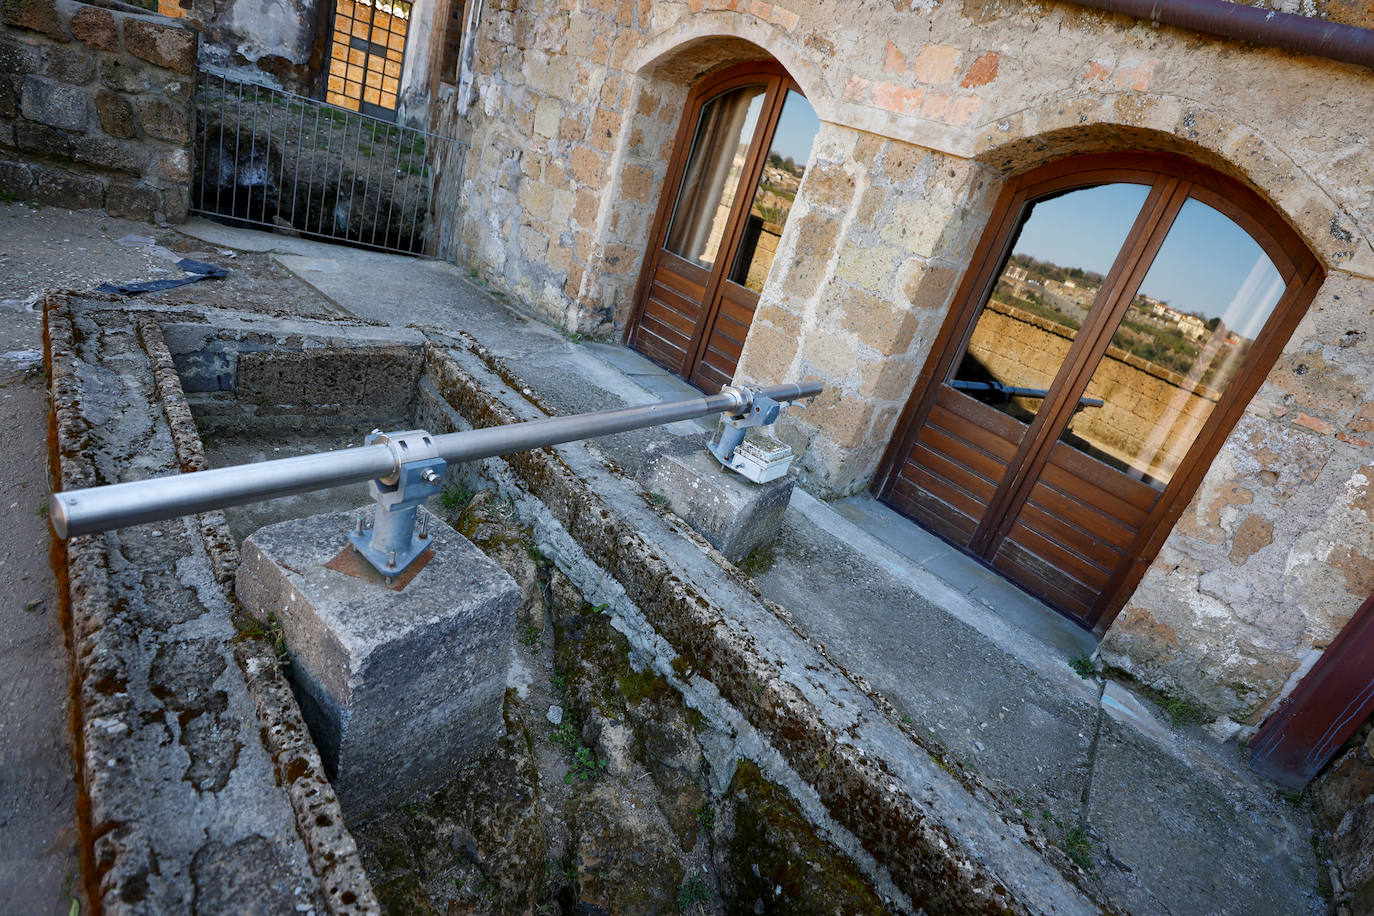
x=1059, y=557
x=683, y=275
x=980, y=462
x=1090, y=544
x=923, y=459
x=1135, y=492
x=1115, y=532
x=668, y=316
x=1028, y=571
x=1086, y=492
x=920, y=478
x=941, y=518
x=655, y=325
x=669, y=298
x=971, y=409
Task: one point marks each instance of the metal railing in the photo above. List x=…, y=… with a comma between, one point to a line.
x=270, y=158
x=405, y=468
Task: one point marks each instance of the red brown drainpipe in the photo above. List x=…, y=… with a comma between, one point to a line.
x=1333, y=40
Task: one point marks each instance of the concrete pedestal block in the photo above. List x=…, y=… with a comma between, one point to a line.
x=734, y=514
x=399, y=687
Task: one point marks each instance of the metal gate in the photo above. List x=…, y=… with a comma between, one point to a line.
x=274, y=159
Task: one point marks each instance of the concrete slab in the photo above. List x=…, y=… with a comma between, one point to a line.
x=398, y=686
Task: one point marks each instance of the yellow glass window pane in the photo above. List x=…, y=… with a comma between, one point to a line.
x=336, y=84
x=388, y=101
x=374, y=80
x=344, y=8
x=355, y=73
x=391, y=84
x=360, y=30
x=357, y=56
x=397, y=41
x=372, y=96
x=392, y=68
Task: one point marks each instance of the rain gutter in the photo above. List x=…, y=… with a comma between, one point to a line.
x=1333, y=40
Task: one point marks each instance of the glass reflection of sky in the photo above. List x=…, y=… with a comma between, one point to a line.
x=1207, y=265
x=797, y=127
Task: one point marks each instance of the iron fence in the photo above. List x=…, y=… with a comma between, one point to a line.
x=270, y=158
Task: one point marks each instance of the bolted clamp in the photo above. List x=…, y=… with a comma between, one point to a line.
x=392, y=543
x=730, y=448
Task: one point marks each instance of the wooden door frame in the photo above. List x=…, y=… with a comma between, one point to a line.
x=1299, y=268
x=774, y=77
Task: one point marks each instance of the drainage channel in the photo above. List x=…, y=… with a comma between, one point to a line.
x=670, y=740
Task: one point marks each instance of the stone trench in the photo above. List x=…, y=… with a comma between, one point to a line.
x=600, y=797
x=657, y=756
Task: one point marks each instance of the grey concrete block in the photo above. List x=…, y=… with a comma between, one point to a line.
x=734, y=514
x=65, y=189
x=398, y=688
x=52, y=103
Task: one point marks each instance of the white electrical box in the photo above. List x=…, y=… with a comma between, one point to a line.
x=761, y=458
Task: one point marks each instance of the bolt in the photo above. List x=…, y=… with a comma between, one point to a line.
x=359, y=527
x=424, y=527
x=429, y=475
x=391, y=560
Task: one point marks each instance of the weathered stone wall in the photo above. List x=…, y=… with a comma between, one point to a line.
x=96, y=108
x=925, y=110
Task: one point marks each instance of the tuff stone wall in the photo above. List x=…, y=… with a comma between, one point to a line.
x=96, y=108
x=926, y=109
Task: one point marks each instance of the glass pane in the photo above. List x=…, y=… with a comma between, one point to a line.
x=1205, y=299
x=719, y=151
x=777, y=190
x=1062, y=252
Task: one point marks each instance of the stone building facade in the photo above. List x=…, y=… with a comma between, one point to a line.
x=927, y=110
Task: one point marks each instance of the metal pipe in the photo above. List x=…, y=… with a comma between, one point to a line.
x=1333, y=40
x=78, y=512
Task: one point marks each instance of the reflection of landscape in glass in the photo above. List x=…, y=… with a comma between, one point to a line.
x=777, y=191
x=1205, y=297
x=1037, y=306
x=720, y=149
x=1155, y=407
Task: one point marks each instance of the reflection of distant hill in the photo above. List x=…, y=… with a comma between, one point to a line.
x=1151, y=330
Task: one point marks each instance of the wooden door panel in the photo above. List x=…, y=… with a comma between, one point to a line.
x=938, y=506
x=989, y=467
x=1060, y=557
x=1093, y=544
x=1042, y=578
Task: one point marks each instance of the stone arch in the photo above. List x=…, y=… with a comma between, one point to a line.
x=706, y=41
x=1097, y=122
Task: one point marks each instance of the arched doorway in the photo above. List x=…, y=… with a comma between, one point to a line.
x=738, y=161
x=1118, y=314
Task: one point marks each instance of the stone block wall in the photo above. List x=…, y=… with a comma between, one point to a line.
x=925, y=111
x=96, y=108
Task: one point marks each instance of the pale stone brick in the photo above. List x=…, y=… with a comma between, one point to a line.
x=869, y=266
x=547, y=115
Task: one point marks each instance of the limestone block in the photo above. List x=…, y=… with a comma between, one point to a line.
x=36, y=15
x=170, y=46
x=398, y=687
x=15, y=179
x=734, y=514
x=96, y=27
x=9, y=98
x=54, y=104
x=132, y=201
x=65, y=189
x=116, y=115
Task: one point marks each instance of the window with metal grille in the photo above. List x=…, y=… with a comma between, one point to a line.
x=367, y=53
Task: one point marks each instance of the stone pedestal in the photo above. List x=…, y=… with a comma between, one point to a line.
x=399, y=684
x=734, y=514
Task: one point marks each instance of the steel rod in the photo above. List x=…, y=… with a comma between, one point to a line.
x=77, y=512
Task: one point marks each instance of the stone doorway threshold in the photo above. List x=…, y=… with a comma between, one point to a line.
x=1166, y=816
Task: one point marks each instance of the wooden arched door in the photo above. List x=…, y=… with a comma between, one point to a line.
x=740, y=155
x=1117, y=316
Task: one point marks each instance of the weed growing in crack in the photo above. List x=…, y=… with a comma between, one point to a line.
x=693, y=892
x=706, y=815
x=454, y=498
x=558, y=681
x=585, y=765
x=1079, y=847
x=531, y=637
x=1083, y=665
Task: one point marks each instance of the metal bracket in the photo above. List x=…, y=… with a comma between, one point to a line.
x=757, y=462
x=392, y=544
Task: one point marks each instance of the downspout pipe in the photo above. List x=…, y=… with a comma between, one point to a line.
x=1333, y=40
